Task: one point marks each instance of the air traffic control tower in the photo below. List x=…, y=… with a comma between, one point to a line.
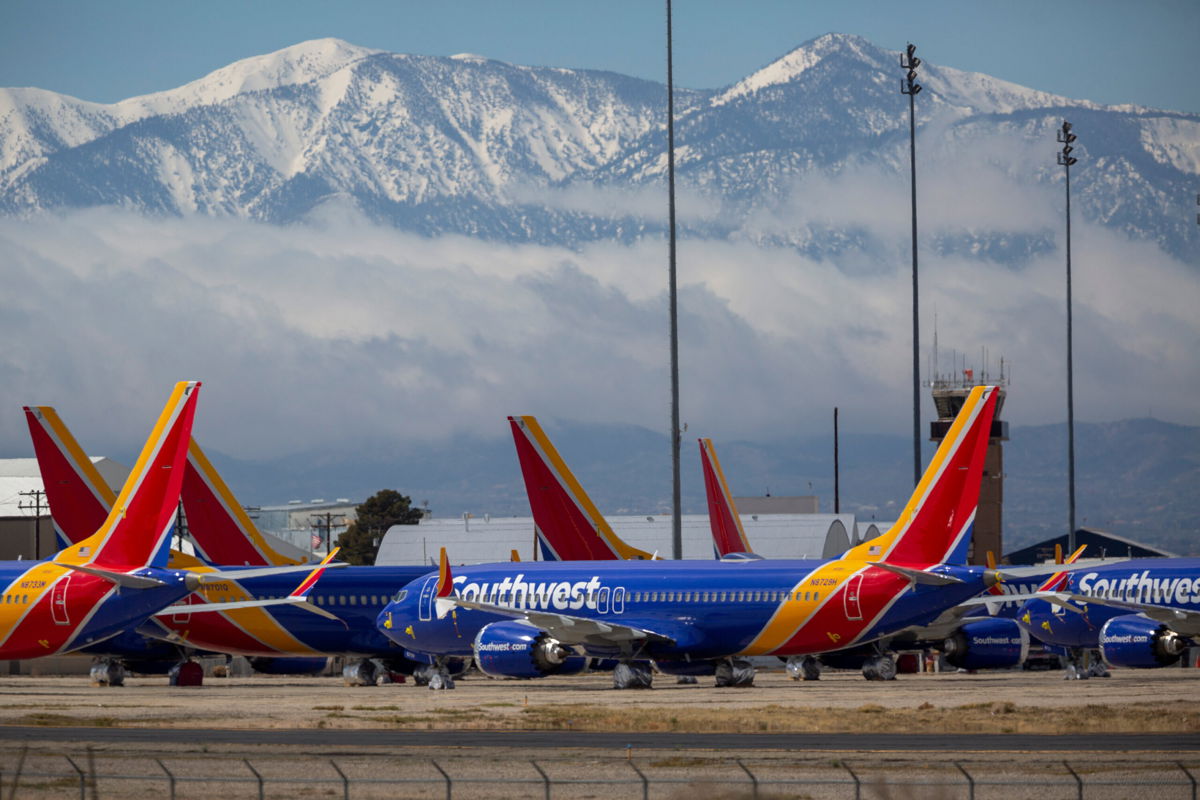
x=949, y=394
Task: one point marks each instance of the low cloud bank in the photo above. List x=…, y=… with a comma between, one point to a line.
x=339, y=332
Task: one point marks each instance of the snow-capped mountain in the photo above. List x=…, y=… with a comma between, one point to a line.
x=471, y=145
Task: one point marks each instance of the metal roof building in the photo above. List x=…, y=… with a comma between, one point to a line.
x=472, y=540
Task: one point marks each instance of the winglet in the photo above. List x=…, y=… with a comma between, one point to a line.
x=514, y=556
x=306, y=585
x=569, y=526
x=444, y=599
x=727, y=532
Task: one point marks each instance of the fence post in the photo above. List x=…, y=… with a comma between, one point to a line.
x=753, y=778
x=545, y=777
x=857, y=782
x=645, y=781
x=12, y=790
x=446, y=775
x=170, y=777
x=970, y=781
x=1191, y=777
x=79, y=772
x=261, y=793
x=1078, y=781
x=345, y=780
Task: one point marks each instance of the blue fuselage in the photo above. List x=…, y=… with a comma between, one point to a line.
x=1173, y=582
x=707, y=609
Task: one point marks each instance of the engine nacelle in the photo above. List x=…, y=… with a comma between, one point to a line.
x=987, y=644
x=288, y=666
x=1140, y=643
x=512, y=649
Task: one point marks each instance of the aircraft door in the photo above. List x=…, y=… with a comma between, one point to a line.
x=618, y=600
x=602, y=600
x=853, y=590
x=426, y=602
x=58, y=601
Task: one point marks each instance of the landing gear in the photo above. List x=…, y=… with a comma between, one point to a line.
x=632, y=675
x=436, y=676
x=360, y=673
x=804, y=668
x=107, y=672
x=1083, y=664
x=880, y=668
x=735, y=672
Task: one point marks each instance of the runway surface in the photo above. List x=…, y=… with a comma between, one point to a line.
x=545, y=740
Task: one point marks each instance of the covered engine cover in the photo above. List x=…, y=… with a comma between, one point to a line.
x=987, y=644
x=512, y=649
x=1135, y=641
x=288, y=666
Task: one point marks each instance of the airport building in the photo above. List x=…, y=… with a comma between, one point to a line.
x=470, y=539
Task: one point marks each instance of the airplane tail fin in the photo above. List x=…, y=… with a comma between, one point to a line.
x=727, y=532
x=79, y=497
x=220, y=529
x=935, y=526
x=136, y=532
x=569, y=527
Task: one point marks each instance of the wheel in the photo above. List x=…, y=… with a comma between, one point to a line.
x=735, y=672
x=880, y=668
x=632, y=675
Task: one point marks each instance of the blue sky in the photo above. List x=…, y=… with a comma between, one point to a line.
x=1102, y=50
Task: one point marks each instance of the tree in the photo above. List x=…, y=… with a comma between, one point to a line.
x=360, y=542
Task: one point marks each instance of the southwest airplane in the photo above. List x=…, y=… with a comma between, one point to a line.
x=1140, y=613
x=533, y=614
x=277, y=638
x=559, y=502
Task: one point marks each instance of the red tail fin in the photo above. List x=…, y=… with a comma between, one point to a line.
x=569, y=527
x=79, y=497
x=935, y=526
x=727, y=532
x=220, y=528
x=136, y=530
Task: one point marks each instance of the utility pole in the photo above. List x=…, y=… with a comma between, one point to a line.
x=325, y=521
x=36, y=507
x=910, y=87
x=676, y=434
x=837, y=486
x=1065, y=160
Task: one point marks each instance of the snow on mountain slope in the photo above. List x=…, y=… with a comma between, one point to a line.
x=478, y=146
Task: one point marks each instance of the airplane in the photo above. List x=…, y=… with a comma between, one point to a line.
x=1138, y=613
x=275, y=637
x=678, y=612
x=116, y=577
x=729, y=537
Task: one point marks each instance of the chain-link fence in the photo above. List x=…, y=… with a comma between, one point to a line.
x=90, y=776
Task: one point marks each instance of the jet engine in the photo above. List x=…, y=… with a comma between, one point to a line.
x=512, y=649
x=1135, y=641
x=987, y=644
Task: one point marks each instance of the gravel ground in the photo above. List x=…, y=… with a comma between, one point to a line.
x=208, y=770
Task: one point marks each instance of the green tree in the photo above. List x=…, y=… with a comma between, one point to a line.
x=382, y=510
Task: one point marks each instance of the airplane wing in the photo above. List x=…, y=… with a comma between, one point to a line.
x=570, y=629
x=1181, y=620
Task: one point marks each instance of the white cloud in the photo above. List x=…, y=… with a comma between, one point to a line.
x=339, y=332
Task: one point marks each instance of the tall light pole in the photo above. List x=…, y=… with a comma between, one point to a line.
x=1065, y=160
x=910, y=87
x=676, y=502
